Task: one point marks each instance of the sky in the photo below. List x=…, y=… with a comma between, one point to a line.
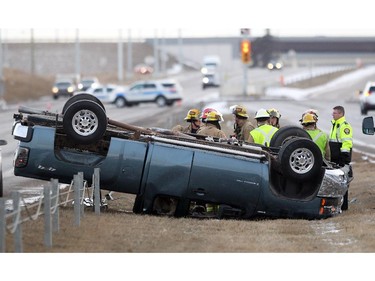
x=190, y=17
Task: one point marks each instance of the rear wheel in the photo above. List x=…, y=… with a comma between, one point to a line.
x=286, y=133
x=83, y=96
x=85, y=121
x=161, y=101
x=120, y=102
x=363, y=110
x=300, y=159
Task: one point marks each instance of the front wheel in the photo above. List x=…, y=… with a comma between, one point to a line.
x=85, y=121
x=161, y=101
x=120, y=102
x=300, y=159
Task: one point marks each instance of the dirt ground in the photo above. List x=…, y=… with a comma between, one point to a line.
x=120, y=231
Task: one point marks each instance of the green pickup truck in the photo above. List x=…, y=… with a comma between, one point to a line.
x=180, y=174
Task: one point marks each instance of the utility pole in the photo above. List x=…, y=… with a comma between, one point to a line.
x=77, y=57
x=245, y=56
x=129, y=72
x=156, y=53
x=32, y=60
x=120, y=70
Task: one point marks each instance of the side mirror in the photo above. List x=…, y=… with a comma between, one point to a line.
x=3, y=142
x=368, y=126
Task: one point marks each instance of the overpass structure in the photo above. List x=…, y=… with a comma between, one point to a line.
x=301, y=50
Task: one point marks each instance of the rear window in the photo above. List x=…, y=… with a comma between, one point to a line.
x=169, y=85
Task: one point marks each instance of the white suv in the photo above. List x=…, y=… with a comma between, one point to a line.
x=367, y=98
x=161, y=92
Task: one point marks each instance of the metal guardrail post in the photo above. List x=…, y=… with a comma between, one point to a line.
x=82, y=194
x=96, y=182
x=77, y=202
x=17, y=222
x=3, y=225
x=56, y=214
x=47, y=216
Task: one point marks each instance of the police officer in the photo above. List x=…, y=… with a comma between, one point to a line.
x=341, y=142
x=242, y=125
x=264, y=132
x=274, y=117
x=318, y=136
x=192, y=117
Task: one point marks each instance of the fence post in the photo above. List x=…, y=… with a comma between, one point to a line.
x=82, y=193
x=17, y=222
x=47, y=216
x=3, y=225
x=96, y=182
x=77, y=201
x=56, y=214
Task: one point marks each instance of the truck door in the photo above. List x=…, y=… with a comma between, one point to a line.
x=227, y=179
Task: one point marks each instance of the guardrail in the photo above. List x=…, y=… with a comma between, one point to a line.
x=48, y=205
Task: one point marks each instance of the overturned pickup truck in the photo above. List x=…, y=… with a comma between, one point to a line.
x=179, y=175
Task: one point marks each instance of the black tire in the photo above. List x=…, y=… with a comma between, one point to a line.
x=161, y=101
x=363, y=110
x=286, y=133
x=120, y=102
x=82, y=96
x=85, y=121
x=300, y=159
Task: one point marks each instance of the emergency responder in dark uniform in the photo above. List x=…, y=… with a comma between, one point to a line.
x=341, y=142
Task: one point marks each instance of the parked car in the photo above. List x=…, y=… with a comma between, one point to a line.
x=63, y=88
x=105, y=93
x=173, y=173
x=367, y=98
x=87, y=82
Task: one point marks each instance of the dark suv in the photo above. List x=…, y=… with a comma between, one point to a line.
x=63, y=88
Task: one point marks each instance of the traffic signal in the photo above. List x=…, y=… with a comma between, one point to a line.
x=245, y=51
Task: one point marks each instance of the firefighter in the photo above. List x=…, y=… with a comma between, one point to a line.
x=318, y=136
x=212, y=125
x=314, y=112
x=242, y=125
x=341, y=142
x=264, y=131
x=274, y=117
x=192, y=117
